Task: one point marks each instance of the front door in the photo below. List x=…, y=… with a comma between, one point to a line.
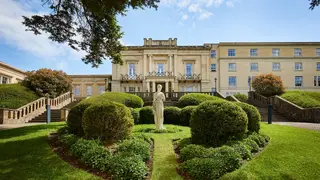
x=163, y=86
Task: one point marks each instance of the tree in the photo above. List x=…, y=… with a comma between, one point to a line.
x=314, y=3
x=92, y=20
x=47, y=81
x=268, y=85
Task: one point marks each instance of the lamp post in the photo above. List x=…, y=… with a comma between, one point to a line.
x=215, y=84
x=105, y=85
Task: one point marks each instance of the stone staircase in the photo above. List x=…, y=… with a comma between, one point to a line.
x=55, y=117
x=276, y=117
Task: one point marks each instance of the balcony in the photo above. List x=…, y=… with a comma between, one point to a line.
x=131, y=78
x=189, y=78
x=160, y=74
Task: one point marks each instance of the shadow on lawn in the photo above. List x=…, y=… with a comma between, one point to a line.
x=32, y=159
x=22, y=131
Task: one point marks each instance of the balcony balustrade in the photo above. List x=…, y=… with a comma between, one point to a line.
x=129, y=77
x=189, y=77
x=161, y=74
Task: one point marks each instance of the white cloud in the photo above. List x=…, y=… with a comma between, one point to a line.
x=183, y=3
x=205, y=15
x=12, y=32
x=230, y=4
x=216, y=3
x=185, y=17
x=194, y=8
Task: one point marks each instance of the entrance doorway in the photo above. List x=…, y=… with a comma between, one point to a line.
x=163, y=86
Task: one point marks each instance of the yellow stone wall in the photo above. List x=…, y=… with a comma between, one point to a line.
x=11, y=74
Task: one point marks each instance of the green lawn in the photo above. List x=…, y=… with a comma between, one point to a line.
x=303, y=99
x=293, y=153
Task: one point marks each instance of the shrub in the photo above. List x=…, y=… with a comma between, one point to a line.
x=68, y=139
x=135, y=114
x=231, y=98
x=303, y=99
x=253, y=146
x=79, y=148
x=241, y=97
x=96, y=156
x=259, y=139
x=145, y=137
x=129, y=100
x=194, y=99
x=242, y=149
x=46, y=81
x=193, y=151
x=137, y=147
x=253, y=114
x=108, y=121
x=127, y=168
x=63, y=130
x=185, y=115
x=215, y=122
x=224, y=160
x=268, y=85
x=183, y=143
x=74, y=120
x=13, y=96
x=171, y=115
x=146, y=115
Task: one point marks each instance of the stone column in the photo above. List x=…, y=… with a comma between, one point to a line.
x=174, y=64
x=167, y=86
x=150, y=63
x=148, y=86
x=144, y=67
x=0, y=79
x=170, y=63
x=153, y=86
x=172, y=86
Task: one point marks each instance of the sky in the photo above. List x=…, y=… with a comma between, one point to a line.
x=192, y=22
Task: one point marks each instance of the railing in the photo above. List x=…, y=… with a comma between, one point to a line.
x=128, y=77
x=189, y=77
x=33, y=109
x=292, y=111
x=170, y=96
x=161, y=74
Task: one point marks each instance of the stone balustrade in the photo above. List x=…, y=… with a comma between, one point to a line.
x=29, y=111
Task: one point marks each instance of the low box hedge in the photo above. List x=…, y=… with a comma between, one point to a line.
x=194, y=99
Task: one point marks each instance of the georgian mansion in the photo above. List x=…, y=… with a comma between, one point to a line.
x=228, y=67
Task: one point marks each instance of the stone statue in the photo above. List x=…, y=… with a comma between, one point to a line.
x=158, y=98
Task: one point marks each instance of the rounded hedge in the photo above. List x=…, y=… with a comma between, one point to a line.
x=241, y=97
x=108, y=121
x=74, y=120
x=135, y=146
x=171, y=115
x=185, y=115
x=215, y=122
x=129, y=100
x=253, y=114
x=194, y=99
x=135, y=114
x=146, y=115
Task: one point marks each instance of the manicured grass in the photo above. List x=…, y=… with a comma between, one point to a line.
x=293, y=153
x=15, y=95
x=25, y=154
x=303, y=98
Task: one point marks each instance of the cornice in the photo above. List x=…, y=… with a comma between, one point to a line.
x=12, y=68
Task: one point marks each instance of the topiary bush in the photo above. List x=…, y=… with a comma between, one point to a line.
x=252, y=145
x=146, y=115
x=74, y=119
x=224, y=160
x=241, y=97
x=261, y=140
x=242, y=149
x=194, y=99
x=96, y=156
x=253, y=114
x=135, y=146
x=108, y=121
x=215, y=122
x=14, y=96
x=80, y=147
x=193, y=151
x=171, y=115
x=135, y=114
x=185, y=115
x=268, y=85
x=129, y=100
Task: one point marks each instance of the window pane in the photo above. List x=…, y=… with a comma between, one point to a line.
x=298, y=66
x=315, y=81
x=253, y=52
x=5, y=80
x=231, y=52
x=213, y=67
x=275, y=52
x=298, y=81
x=89, y=90
x=132, y=89
x=254, y=67
x=318, y=66
x=77, y=90
x=132, y=70
x=276, y=66
x=318, y=80
x=232, y=67
x=297, y=52
x=318, y=52
x=101, y=89
x=232, y=81
x=213, y=53
x=189, y=70
x=160, y=69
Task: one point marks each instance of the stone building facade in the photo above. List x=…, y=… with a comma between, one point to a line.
x=227, y=67
x=9, y=74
